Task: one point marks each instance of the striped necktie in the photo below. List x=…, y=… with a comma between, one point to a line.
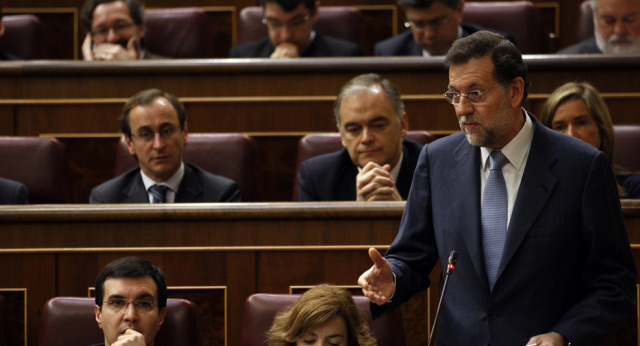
x=494, y=216
x=159, y=193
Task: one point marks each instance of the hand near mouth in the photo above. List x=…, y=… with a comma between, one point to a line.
x=130, y=337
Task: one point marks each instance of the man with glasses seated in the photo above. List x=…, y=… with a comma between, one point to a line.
x=154, y=124
x=131, y=300
x=115, y=31
x=434, y=25
x=290, y=25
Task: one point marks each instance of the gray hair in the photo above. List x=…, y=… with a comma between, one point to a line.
x=367, y=81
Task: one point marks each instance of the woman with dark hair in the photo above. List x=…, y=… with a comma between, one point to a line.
x=324, y=315
x=578, y=110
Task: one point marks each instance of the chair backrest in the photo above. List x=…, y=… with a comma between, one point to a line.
x=38, y=162
x=314, y=144
x=23, y=36
x=178, y=32
x=261, y=308
x=627, y=146
x=342, y=22
x=584, y=24
x=231, y=155
x=521, y=19
x=70, y=321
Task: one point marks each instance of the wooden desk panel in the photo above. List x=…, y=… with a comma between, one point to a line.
x=243, y=248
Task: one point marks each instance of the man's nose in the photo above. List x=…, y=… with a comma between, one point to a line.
x=464, y=107
x=130, y=313
x=620, y=28
x=158, y=141
x=286, y=34
x=112, y=37
x=367, y=135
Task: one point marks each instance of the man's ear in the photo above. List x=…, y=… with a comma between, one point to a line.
x=1, y=27
x=316, y=9
x=516, y=92
x=161, y=316
x=98, y=312
x=132, y=150
x=404, y=124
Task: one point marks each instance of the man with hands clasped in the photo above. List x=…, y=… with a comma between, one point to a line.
x=376, y=163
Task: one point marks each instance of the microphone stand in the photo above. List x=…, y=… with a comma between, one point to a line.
x=453, y=256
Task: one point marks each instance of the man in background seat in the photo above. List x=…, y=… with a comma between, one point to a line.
x=616, y=29
x=376, y=163
x=434, y=25
x=12, y=192
x=154, y=124
x=290, y=25
x=115, y=31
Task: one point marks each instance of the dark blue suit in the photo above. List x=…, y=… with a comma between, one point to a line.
x=332, y=177
x=197, y=185
x=321, y=46
x=588, y=46
x=404, y=44
x=12, y=192
x=566, y=265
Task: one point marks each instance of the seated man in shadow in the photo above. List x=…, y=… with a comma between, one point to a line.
x=434, y=25
x=154, y=124
x=131, y=300
x=115, y=31
x=12, y=192
x=376, y=163
x=290, y=24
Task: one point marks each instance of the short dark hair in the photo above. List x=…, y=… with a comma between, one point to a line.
x=506, y=58
x=290, y=5
x=453, y=4
x=144, y=98
x=136, y=9
x=132, y=267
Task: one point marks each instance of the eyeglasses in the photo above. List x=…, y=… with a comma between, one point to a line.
x=423, y=24
x=474, y=96
x=118, y=29
x=294, y=23
x=119, y=304
x=147, y=135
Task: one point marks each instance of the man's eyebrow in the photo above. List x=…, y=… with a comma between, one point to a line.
x=115, y=296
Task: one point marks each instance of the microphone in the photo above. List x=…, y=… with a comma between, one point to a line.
x=453, y=257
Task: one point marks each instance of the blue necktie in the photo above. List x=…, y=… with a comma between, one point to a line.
x=494, y=216
x=159, y=193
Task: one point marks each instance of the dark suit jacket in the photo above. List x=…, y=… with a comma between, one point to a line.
x=404, y=44
x=567, y=264
x=197, y=186
x=12, y=192
x=332, y=177
x=583, y=47
x=321, y=46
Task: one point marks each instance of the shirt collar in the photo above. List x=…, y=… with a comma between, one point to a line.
x=516, y=150
x=173, y=183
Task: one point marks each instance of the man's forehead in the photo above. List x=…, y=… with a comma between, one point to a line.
x=614, y=7
x=126, y=286
x=273, y=10
x=114, y=9
x=437, y=9
x=160, y=109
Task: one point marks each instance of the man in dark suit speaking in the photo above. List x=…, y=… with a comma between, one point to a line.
x=534, y=215
x=290, y=24
x=376, y=163
x=154, y=124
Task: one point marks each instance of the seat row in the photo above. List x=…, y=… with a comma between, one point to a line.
x=41, y=162
x=185, y=32
x=76, y=316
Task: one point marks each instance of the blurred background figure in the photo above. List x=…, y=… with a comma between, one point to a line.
x=115, y=30
x=324, y=315
x=578, y=110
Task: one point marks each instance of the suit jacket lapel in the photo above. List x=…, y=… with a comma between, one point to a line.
x=190, y=189
x=135, y=191
x=535, y=188
x=465, y=189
